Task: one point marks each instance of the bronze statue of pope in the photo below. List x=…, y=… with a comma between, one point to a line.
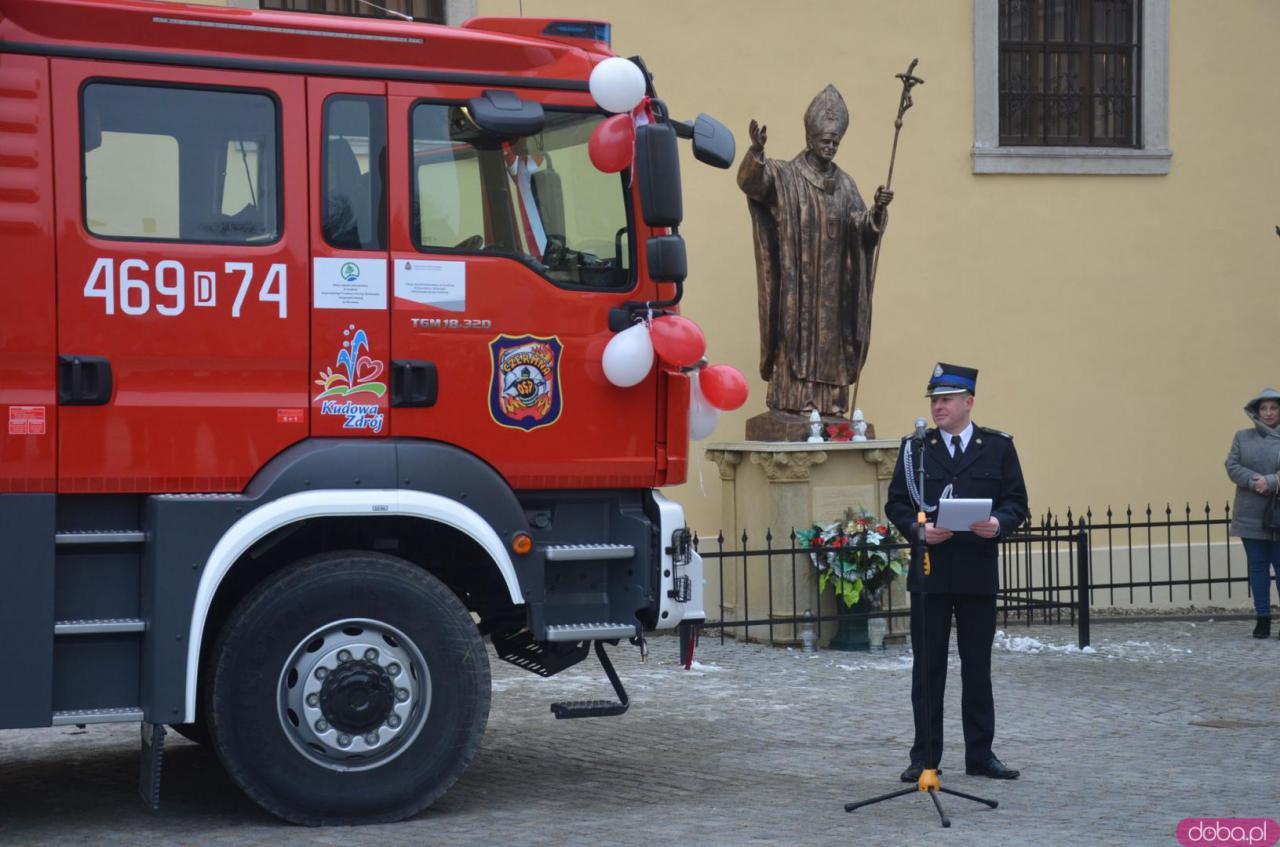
x=814, y=243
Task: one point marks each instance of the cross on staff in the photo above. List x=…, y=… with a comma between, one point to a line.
x=909, y=81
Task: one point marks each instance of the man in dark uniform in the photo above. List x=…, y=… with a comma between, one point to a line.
x=973, y=462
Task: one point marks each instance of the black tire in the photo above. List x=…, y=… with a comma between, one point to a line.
x=262, y=733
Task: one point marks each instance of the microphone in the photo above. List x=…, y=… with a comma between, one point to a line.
x=919, y=436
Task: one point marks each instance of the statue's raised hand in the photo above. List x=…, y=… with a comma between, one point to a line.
x=759, y=134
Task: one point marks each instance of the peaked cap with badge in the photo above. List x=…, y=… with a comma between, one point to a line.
x=952, y=379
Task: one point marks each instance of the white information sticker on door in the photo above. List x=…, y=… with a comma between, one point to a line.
x=433, y=283
x=349, y=283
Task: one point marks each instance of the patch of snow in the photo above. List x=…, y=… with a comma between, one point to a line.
x=897, y=663
x=1028, y=644
x=1129, y=651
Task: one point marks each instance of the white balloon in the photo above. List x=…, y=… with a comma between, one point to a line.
x=703, y=417
x=628, y=357
x=617, y=84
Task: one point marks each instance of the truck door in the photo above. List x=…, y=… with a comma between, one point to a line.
x=508, y=260
x=182, y=300
x=350, y=342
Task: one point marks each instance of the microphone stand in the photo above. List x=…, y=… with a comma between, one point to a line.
x=928, y=781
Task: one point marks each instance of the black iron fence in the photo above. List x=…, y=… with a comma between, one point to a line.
x=1056, y=571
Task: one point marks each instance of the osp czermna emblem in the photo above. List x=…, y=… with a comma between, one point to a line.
x=524, y=391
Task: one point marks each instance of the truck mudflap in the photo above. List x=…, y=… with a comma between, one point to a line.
x=680, y=583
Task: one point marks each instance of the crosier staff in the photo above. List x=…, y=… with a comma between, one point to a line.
x=909, y=81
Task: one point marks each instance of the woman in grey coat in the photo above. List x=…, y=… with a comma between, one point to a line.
x=1253, y=464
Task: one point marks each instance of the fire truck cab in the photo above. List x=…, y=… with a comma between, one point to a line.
x=302, y=386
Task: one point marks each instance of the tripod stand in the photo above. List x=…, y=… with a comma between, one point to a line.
x=928, y=781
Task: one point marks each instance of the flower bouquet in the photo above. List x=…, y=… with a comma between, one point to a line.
x=850, y=554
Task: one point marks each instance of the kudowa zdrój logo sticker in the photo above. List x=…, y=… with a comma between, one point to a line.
x=354, y=374
x=524, y=392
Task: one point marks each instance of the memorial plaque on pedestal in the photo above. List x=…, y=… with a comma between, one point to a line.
x=832, y=501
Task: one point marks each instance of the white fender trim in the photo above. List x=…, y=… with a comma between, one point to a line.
x=671, y=613
x=266, y=519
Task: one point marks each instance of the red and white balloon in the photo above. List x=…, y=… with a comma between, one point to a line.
x=679, y=343
x=677, y=340
x=703, y=417
x=724, y=386
x=628, y=357
x=612, y=144
x=617, y=85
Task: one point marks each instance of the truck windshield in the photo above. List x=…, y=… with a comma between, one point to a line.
x=538, y=199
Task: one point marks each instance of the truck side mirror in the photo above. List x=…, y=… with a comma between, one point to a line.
x=667, y=259
x=658, y=174
x=712, y=142
x=504, y=114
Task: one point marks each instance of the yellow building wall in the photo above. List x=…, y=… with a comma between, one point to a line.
x=1119, y=322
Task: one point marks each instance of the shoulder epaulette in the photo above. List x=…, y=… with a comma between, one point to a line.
x=989, y=431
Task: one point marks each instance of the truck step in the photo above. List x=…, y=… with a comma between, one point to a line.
x=538, y=657
x=100, y=536
x=99, y=626
x=590, y=631
x=587, y=709
x=588, y=552
x=72, y=717
x=596, y=708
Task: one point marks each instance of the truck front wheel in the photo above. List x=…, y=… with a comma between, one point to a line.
x=348, y=688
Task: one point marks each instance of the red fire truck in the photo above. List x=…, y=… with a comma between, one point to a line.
x=300, y=375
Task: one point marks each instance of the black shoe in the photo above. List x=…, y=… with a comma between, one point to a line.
x=913, y=771
x=993, y=768
x=1262, y=629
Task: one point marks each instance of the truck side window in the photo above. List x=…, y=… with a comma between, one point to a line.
x=354, y=212
x=538, y=199
x=180, y=164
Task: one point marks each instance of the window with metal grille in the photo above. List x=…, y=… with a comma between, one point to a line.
x=1069, y=72
x=431, y=11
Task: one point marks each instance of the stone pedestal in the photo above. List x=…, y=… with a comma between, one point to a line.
x=779, y=487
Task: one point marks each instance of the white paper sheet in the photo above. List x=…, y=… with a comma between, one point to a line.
x=349, y=283
x=432, y=283
x=957, y=514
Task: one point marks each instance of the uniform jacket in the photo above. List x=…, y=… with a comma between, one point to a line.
x=1255, y=450
x=966, y=563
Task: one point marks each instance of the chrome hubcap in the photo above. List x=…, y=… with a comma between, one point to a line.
x=354, y=694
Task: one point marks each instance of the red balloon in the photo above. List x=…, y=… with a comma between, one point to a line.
x=677, y=340
x=724, y=386
x=613, y=144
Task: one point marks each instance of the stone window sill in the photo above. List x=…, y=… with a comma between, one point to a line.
x=1070, y=160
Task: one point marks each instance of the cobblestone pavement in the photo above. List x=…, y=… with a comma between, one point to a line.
x=760, y=745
